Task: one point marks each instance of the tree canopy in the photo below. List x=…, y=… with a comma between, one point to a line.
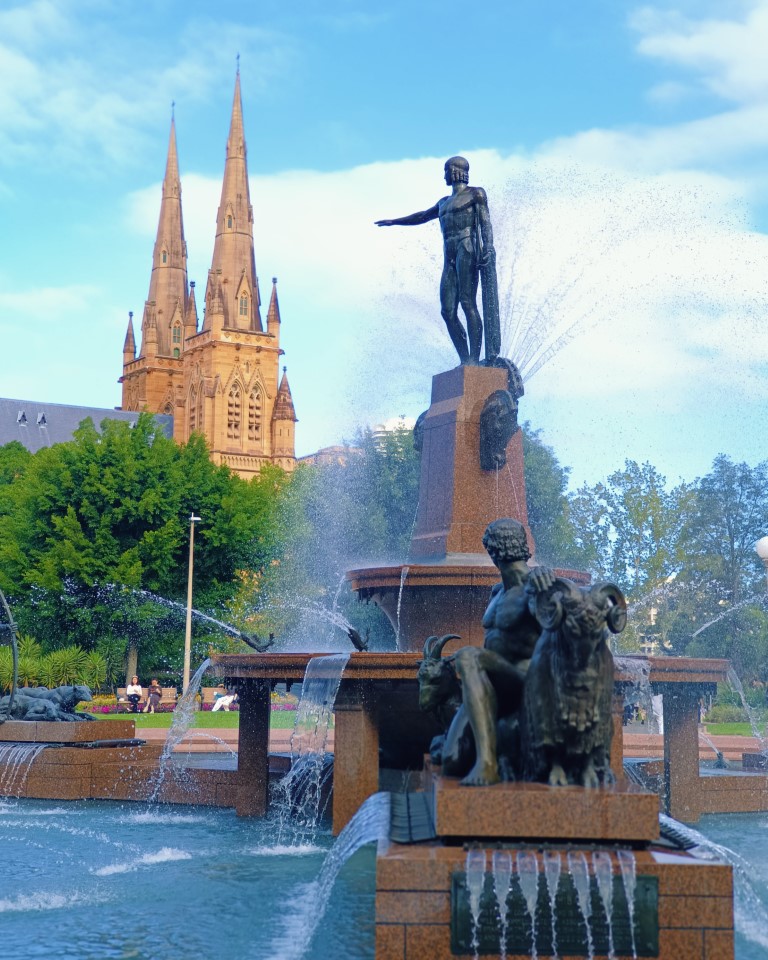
x=83, y=522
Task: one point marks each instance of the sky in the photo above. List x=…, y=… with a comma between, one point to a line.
x=623, y=148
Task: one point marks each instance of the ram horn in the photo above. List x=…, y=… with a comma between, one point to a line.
x=616, y=615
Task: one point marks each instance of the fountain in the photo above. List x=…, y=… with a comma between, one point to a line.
x=531, y=840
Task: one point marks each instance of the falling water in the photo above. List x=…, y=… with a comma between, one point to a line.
x=603, y=867
x=528, y=875
x=750, y=915
x=501, y=867
x=15, y=761
x=628, y=869
x=638, y=689
x=737, y=686
x=296, y=798
x=475, y=870
x=552, y=867
x=183, y=718
x=403, y=575
x=369, y=825
x=758, y=598
x=579, y=871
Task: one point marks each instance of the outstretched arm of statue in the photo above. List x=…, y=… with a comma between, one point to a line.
x=412, y=220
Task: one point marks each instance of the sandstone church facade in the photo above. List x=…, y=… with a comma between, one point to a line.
x=220, y=378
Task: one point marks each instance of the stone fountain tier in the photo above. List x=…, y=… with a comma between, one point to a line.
x=422, y=903
x=445, y=585
x=103, y=760
x=449, y=596
x=377, y=709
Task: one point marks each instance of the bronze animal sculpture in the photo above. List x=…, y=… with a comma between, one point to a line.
x=439, y=689
x=567, y=722
x=40, y=703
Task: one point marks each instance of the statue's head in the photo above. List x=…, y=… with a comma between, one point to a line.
x=456, y=170
x=505, y=541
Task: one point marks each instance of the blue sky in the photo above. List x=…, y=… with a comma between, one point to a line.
x=624, y=149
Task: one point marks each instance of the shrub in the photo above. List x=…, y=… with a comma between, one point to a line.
x=726, y=713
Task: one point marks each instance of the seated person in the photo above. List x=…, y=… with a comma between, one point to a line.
x=154, y=696
x=224, y=703
x=133, y=694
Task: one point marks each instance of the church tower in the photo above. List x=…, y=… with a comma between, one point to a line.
x=223, y=379
x=154, y=380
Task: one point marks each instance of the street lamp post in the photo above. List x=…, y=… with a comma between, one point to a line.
x=761, y=548
x=188, y=632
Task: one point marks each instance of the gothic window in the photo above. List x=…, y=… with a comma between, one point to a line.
x=176, y=334
x=244, y=305
x=229, y=221
x=234, y=412
x=200, y=411
x=165, y=257
x=254, y=414
x=168, y=409
x=192, y=410
x=176, y=352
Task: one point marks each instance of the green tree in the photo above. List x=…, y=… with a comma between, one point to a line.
x=549, y=508
x=85, y=522
x=631, y=525
x=729, y=513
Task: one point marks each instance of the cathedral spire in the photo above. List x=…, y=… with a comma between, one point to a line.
x=168, y=283
x=233, y=269
x=129, y=345
x=284, y=409
x=273, y=312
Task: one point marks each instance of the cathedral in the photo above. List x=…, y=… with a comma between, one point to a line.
x=222, y=378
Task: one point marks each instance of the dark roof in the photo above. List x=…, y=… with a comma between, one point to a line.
x=36, y=425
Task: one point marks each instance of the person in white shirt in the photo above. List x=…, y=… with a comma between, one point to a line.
x=133, y=693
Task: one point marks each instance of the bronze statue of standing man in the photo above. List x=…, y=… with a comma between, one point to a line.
x=469, y=257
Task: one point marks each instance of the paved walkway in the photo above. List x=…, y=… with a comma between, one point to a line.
x=219, y=739
x=225, y=740
x=652, y=745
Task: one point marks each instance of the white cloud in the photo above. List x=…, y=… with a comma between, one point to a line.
x=72, y=80
x=728, y=55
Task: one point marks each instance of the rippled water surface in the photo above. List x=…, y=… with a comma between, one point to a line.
x=746, y=834
x=102, y=880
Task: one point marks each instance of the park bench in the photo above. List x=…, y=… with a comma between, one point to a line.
x=169, y=697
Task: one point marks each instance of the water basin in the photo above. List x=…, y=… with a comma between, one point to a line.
x=102, y=880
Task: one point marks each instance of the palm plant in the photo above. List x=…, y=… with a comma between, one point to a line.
x=6, y=669
x=94, y=671
x=29, y=671
x=62, y=666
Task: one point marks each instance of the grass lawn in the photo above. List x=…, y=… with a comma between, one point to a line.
x=279, y=719
x=731, y=730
